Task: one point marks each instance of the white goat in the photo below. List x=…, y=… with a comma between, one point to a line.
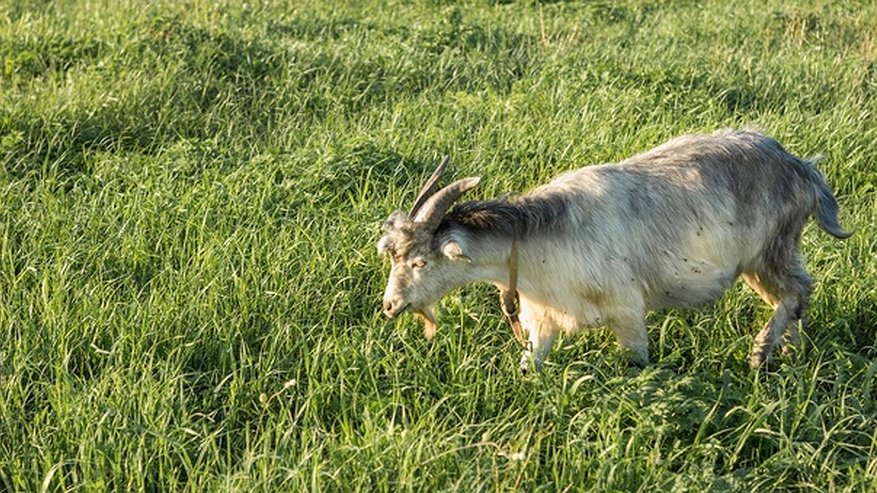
x=672, y=227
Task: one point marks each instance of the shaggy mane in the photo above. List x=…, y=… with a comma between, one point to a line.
x=508, y=217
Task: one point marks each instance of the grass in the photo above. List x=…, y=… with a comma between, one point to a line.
x=191, y=196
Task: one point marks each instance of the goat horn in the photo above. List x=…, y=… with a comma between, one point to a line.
x=430, y=187
x=435, y=207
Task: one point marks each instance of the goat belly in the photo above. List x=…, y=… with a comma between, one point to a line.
x=690, y=279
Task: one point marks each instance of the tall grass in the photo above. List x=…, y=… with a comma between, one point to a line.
x=191, y=194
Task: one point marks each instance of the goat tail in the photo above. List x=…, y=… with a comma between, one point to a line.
x=826, y=205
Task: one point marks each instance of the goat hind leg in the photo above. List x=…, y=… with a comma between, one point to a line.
x=789, y=294
x=791, y=338
x=767, y=339
x=801, y=287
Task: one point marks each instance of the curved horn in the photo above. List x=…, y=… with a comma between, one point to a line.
x=430, y=187
x=435, y=207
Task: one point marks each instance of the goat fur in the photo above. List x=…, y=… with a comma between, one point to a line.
x=601, y=245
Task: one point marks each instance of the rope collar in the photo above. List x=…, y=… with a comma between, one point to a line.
x=509, y=299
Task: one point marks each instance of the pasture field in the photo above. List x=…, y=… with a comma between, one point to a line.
x=191, y=194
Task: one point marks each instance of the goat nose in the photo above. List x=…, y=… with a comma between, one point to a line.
x=388, y=308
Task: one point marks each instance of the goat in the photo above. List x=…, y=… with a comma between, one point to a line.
x=601, y=245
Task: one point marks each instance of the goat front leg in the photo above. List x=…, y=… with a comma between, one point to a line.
x=541, y=333
x=540, y=341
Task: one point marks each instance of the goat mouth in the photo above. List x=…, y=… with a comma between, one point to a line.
x=425, y=313
x=395, y=313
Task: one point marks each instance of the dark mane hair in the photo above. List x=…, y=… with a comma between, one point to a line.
x=509, y=217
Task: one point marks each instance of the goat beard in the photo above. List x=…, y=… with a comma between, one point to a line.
x=429, y=324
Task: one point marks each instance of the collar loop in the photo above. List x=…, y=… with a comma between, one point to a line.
x=509, y=299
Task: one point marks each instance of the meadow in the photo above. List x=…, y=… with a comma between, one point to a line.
x=191, y=194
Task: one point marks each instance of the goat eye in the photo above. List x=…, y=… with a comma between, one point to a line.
x=419, y=264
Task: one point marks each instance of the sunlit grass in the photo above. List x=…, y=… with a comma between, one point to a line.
x=190, y=196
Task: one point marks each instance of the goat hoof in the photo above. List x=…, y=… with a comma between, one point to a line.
x=756, y=360
x=528, y=362
x=762, y=362
x=525, y=364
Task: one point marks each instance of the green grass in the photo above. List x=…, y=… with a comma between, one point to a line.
x=190, y=196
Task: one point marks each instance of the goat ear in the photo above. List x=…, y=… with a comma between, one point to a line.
x=454, y=251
